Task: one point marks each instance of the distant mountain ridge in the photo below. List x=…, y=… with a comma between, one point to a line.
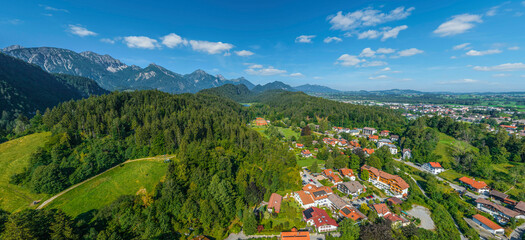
x=26, y=88
x=112, y=74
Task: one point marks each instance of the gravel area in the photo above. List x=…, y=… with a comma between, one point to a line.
x=423, y=214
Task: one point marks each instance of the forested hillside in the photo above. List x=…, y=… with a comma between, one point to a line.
x=25, y=89
x=222, y=168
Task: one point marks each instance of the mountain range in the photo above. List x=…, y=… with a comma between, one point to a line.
x=112, y=74
x=26, y=88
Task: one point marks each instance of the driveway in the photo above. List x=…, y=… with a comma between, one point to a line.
x=306, y=176
x=518, y=232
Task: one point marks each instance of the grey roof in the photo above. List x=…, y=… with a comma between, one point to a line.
x=353, y=186
x=337, y=201
x=319, y=193
x=498, y=194
x=502, y=209
x=520, y=206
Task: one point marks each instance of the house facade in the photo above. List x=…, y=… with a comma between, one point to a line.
x=491, y=226
x=332, y=176
x=476, y=186
x=369, y=131
x=313, y=196
x=392, y=184
x=348, y=173
x=353, y=188
x=502, y=214
x=319, y=219
x=433, y=167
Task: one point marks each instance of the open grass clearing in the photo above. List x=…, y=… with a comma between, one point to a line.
x=14, y=157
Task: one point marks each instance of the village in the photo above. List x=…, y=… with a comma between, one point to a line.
x=511, y=120
x=329, y=195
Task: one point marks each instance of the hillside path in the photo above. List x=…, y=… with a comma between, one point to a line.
x=158, y=158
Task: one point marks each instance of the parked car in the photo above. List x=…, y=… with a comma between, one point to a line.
x=370, y=196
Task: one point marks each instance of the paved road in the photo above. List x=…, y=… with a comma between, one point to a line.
x=308, y=177
x=518, y=232
x=89, y=179
x=242, y=236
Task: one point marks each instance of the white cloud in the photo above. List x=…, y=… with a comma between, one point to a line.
x=460, y=46
x=385, y=50
x=502, y=67
x=523, y=76
x=210, y=47
x=366, y=17
x=392, y=33
x=378, y=77
x=453, y=57
x=482, y=53
x=409, y=52
x=514, y=48
x=244, y=53
x=296, y=75
x=140, y=42
x=367, y=52
x=269, y=71
x=370, y=34
x=461, y=81
x=80, y=31
x=49, y=8
x=107, y=40
x=332, y=39
x=304, y=39
x=347, y=34
x=172, y=40
x=254, y=66
x=374, y=64
x=457, y=24
x=349, y=60
x=12, y=21
x=492, y=11
x=319, y=78
x=385, y=69
x=499, y=75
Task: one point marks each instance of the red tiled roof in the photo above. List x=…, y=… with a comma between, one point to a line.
x=402, y=184
x=373, y=137
x=435, y=164
x=275, y=202
x=306, y=152
x=346, y=172
x=394, y=218
x=507, y=126
x=351, y=213
x=320, y=217
x=381, y=208
x=368, y=150
x=299, y=145
x=305, y=198
x=295, y=235
x=473, y=183
x=487, y=222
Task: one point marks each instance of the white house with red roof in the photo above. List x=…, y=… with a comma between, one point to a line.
x=433, y=167
x=306, y=153
x=319, y=219
x=313, y=196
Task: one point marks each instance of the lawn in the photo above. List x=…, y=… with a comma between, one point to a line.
x=290, y=216
x=126, y=179
x=286, y=132
x=307, y=162
x=444, y=147
x=14, y=157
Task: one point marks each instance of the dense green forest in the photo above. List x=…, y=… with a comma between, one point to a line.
x=26, y=88
x=222, y=167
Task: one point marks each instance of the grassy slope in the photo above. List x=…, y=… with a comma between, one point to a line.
x=102, y=190
x=444, y=147
x=14, y=157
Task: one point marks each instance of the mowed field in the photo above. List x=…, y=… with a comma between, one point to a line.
x=14, y=157
x=126, y=179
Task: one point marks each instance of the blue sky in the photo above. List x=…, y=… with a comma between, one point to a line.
x=347, y=45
